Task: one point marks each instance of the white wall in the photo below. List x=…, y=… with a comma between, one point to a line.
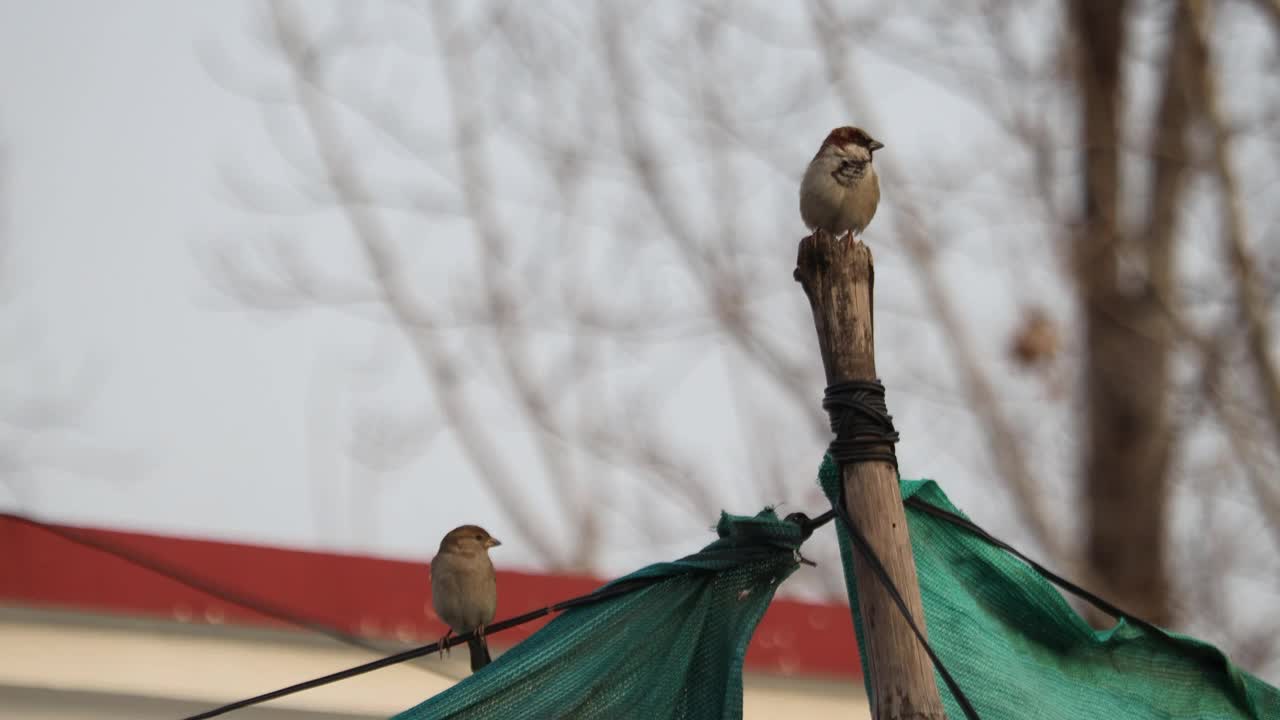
x=65, y=666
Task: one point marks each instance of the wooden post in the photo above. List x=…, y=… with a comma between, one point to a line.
x=838, y=276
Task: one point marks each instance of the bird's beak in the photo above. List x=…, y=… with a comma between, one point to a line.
x=492, y=543
x=875, y=145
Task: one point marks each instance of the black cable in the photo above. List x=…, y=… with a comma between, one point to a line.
x=860, y=543
x=366, y=667
x=195, y=583
x=1151, y=628
x=1044, y=572
x=807, y=526
x=612, y=590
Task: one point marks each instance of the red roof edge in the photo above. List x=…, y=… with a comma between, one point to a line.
x=69, y=567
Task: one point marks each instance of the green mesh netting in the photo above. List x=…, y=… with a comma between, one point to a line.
x=672, y=649
x=1018, y=650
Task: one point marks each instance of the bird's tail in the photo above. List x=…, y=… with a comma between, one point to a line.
x=479, y=653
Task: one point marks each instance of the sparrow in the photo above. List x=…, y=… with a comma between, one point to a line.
x=464, y=589
x=840, y=190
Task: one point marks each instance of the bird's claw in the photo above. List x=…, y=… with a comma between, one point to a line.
x=443, y=648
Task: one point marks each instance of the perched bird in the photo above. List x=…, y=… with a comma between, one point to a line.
x=464, y=590
x=840, y=190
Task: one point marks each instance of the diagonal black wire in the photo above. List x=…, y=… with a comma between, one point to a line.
x=1044, y=572
x=864, y=548
x=362, y=669
x=608, y=592
x=195, y=583
x=878, y=568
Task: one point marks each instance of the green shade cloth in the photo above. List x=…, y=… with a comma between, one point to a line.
x=1018, y=650
x=673, y=649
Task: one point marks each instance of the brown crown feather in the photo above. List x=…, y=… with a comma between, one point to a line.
x=848, y=135
x=464, y=531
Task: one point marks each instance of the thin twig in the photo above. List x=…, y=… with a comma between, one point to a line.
x=435, y=362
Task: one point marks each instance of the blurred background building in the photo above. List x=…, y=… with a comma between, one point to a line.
x=97, y=625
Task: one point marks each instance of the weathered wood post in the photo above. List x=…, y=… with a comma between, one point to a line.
x=838, y=276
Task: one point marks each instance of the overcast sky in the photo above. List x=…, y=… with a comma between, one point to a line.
x=192, y=415
x=113, y=131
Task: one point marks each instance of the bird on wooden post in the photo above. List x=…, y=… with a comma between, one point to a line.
x=840, y=189
x=838, y=198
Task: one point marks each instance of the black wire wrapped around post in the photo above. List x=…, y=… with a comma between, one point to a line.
x=861, y=422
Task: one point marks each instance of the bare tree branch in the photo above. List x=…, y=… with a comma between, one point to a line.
x=413, y=320
x=1271, y=8
x=1247, y=283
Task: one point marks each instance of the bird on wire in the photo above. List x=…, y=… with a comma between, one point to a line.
x=464, y=588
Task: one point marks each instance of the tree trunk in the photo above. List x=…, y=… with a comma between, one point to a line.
x=1129, y=432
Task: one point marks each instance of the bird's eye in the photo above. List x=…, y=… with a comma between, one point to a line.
x=480, y=537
